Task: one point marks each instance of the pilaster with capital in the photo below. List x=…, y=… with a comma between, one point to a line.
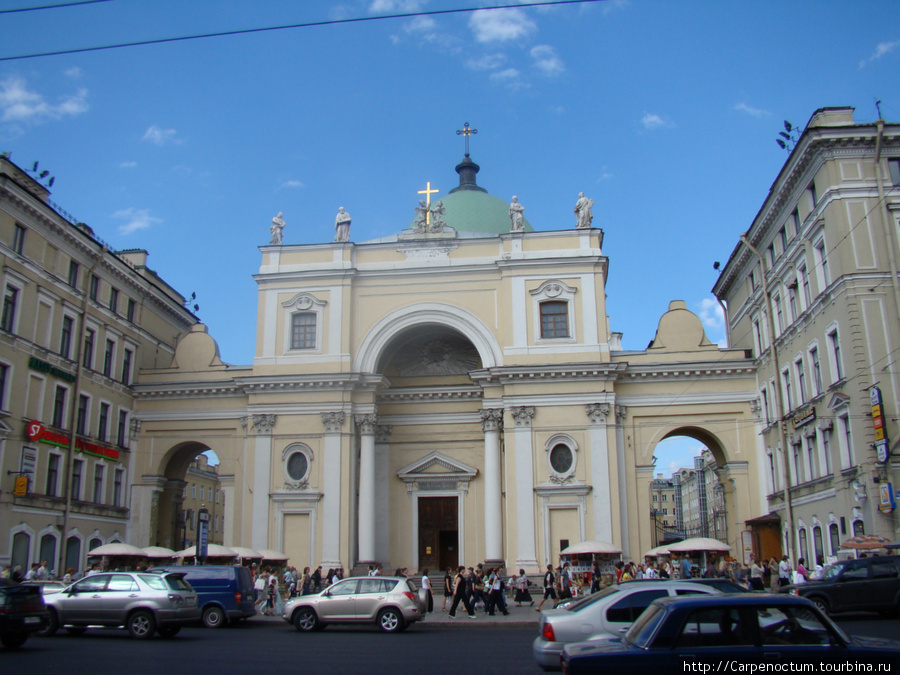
x=331, y=488
x=598, y=440
x=491, y=422
x=262, y=425
x=367, y=425
x=523, y=446
x=621, y=413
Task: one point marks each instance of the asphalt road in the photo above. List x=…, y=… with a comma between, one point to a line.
x=274, y=647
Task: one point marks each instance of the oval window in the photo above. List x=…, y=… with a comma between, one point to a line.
x=297, y=466
x=561, y=458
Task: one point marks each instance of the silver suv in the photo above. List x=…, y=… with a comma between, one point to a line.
x=390, y=602
x=143, y=603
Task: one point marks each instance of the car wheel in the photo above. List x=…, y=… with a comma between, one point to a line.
x=76, y=630
x=141, y=625
x=169, y=631
x=14, y=639
x=305, y=620
x=822, y=604
x=213, y=617
x=391, y=621
x=52, y=625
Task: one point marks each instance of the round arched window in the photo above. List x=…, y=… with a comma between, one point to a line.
x=297, y=466
x=561, y=458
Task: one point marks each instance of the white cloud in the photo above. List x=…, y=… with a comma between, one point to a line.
x=396, y=6
x=500, y=25
x=159, y=136
x=510, y=77
x=547, y=61
x=604, y=175
x=127, y=165
x=750, y=110
x=292, y=184
x=18, y=103
x=74, y=72
x=487, y=62
x=883, y=49
x=713, y=317
x=135, y=219
x=653, y=121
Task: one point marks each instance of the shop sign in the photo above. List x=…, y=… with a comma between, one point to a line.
x=40, y=434
x=36, y=364
x=803, y=417
x=886, y=490
x=882, y=444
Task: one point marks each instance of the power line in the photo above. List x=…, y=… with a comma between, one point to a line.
x=59, y=6
x=311, y=24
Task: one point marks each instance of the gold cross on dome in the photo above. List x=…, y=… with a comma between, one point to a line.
x=465, y=132
x=428, y=191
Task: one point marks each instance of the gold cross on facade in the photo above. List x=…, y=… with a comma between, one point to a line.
x=428, y=191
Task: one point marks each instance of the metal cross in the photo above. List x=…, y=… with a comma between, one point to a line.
x=466, y=131
x=428, y=192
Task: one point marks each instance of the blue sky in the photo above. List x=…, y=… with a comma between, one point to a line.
x=665, y=113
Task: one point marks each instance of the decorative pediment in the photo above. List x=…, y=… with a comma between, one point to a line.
x=437, y=465
x=839, y=401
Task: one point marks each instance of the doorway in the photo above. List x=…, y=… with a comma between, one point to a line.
x=438, y=532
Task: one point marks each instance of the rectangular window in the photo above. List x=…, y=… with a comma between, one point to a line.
x=804, y=284
x=77, y=470
x=816, y=369
x=81, y=417
x=59, y=407
x=122, y=431
x=786, y=382
x=65, y=340
x=554, y=320
x=779, y=314
x=811, y=451
x=792, y=303
x=834, y=356
x=114, y=300
x=127, y=357
x=193, y=491
x=99, y=470
x=103, y=423
x=19, y=239
x=757, y=337
x=10, y=300
x=303, y=330
x=94, y=290
x=4, y=374
x=118, y=481
x=801, y=381
x=826, y=450
x=52, y=475
x=108, y=357
x=795, y=218
x=765, y=405
x=821, y=259
x=894, y=166
x=813, y=195
x=73, y=274
x=130, y=311
x=782, y=237
x=87, y=360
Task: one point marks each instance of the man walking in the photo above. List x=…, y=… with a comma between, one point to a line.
x=459, y=594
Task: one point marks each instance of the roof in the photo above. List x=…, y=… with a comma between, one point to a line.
x=731, y=599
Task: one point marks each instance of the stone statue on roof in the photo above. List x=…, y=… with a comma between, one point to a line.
x=516, y=215
x=342, y=225
x=583, y=213
x=277, y=228
x=421, y=216
x=437, y=217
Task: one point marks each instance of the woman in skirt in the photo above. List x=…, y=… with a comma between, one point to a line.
x=522, y=594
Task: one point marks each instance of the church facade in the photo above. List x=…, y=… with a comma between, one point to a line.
x=449, y=395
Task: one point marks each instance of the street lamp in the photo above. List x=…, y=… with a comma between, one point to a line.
x=779, y=399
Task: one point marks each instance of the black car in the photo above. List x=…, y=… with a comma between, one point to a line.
x=22, y=612
x=752, y=631
x=869, y=584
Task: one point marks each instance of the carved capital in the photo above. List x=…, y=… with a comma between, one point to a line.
x=383, y=433
x=134, y=426
x=621, y=411
x=367, y=423
x=491, y=419
x=263, y=424
x=522, y=415
x=597, y=412
x=333, y=422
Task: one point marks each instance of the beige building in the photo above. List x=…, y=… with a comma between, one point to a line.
x=824, y=249
x=202, y=490
x=78, y=323
x=450, y=394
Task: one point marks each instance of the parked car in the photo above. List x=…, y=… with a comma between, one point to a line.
x=868, y=584
x=48, y=587
x=750, y=631
x=22, y=612
x=719, y=583
x=604, y=614
x=392, y=603
x=142, y=602
x=224, y=592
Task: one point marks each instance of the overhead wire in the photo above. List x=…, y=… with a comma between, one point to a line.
x=309, y=24
x=61, y=5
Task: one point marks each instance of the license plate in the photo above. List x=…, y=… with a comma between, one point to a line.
x=32, y=619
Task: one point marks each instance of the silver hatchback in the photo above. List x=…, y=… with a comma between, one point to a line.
x=143, y=603
x=392, y=603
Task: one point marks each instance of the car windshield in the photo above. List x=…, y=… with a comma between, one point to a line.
x=591, y=599
x=642, y=630
x=177, y=582
x=832, y=571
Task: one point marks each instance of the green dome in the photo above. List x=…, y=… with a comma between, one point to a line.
x=475, y=211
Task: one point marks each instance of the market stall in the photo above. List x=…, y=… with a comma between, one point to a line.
x=581, y=559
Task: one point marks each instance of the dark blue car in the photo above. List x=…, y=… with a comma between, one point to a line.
x=728, y=633
x=224, y=592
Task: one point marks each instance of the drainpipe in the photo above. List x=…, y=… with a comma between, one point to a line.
x=76, y=392
x=779, y=401
x=886, y=219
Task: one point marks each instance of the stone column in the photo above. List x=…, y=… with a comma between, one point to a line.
x=382, y=496
x=599, y=449
x=522, y=438
x=622, y=478
x=261, y=426
x=331, y=490
x=491, y=420
x=366, y=522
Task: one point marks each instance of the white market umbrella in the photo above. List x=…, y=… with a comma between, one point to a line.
x=269, y=554
x=247, y=553
x=158, y=552
x=118, y=549
x=212, y=551
x=658, y=551
x=591, y=547
x=698, y=544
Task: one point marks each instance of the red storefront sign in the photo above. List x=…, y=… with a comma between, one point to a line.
x=38, y=433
